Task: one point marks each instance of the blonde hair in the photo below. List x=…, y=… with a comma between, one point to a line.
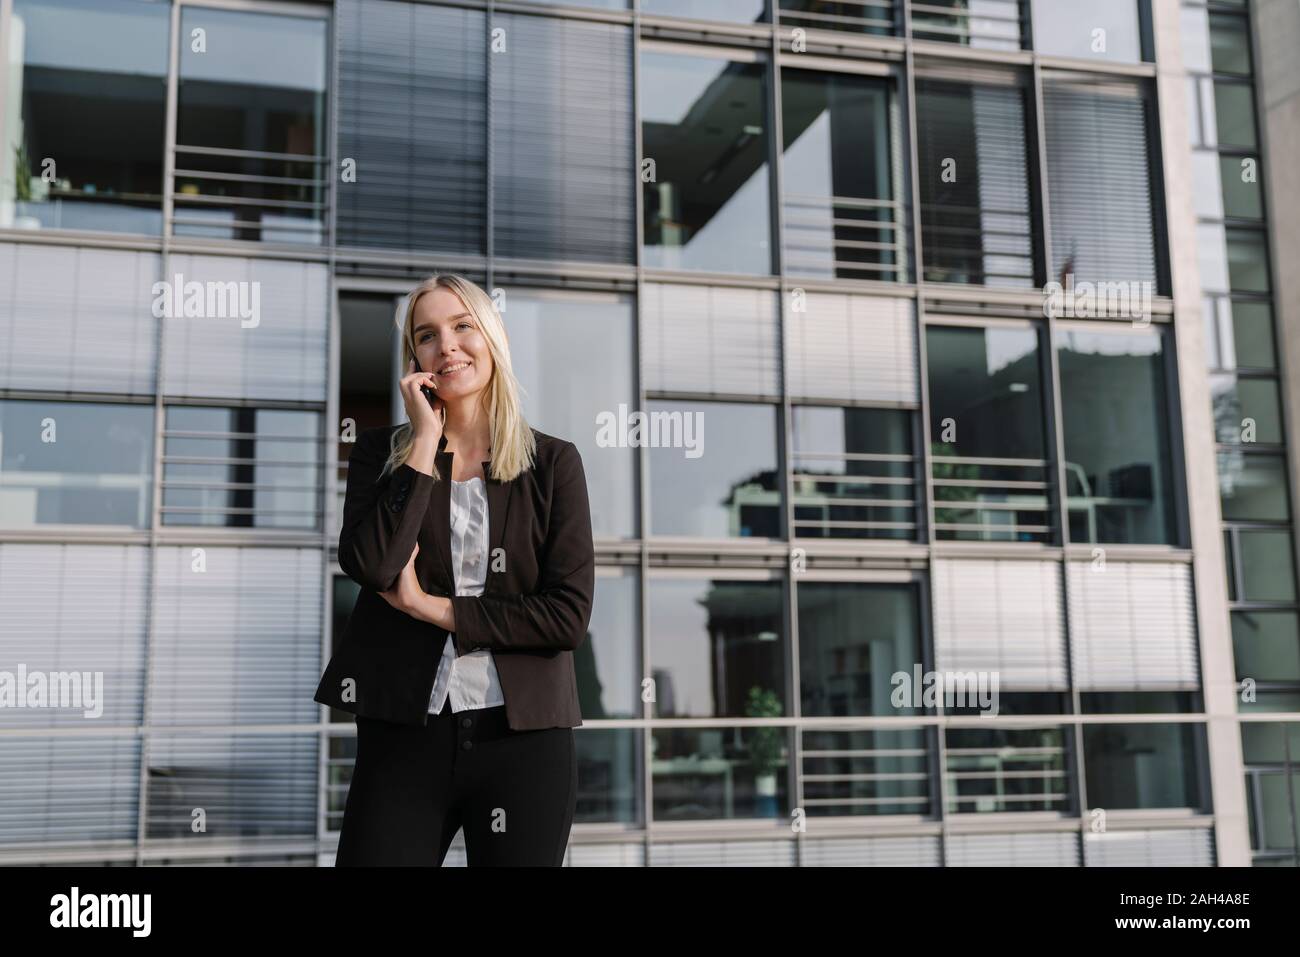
x=513, y=442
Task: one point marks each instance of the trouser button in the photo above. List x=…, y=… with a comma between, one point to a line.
x=467, y=745
x=466, y=722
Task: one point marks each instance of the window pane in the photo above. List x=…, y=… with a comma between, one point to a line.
x=986, y=25
x=839, y=217
x=593, y=332
x=1241, y=198
x=986, y=408
x=1008, y=769
x=1252, y=331
x=1229, y=44
x=1246, y=409
x=975, y=212
x=609, y=682
x=1141, y=766
x=89, y=79
x=873, y=17
x=1115, y=426
x=257, y=85
x=1266, y=647
x=1234, y=109
x=703, y=124
x=1097, y=30
x=853, y=637
x=1252, y=487
x=719, y=773
x=1267, y=568
x=715, y=478
x=867, y=772
x=717, y=648
x=850, y=466
x=1247, y=260
x=75, y=463
x=730, y=11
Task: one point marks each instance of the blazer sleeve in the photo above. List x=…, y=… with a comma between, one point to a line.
x=557, y=615
x=380, y=522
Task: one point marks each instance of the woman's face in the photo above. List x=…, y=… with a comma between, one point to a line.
x=449, y=343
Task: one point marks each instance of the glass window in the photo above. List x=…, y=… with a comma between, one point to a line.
x=75, y=463
x=608, y=663
x=242, y=467
x=872, y=17
x=987, y=25
x=1117, y=448
x=1247, y=260
x=1143, y=766
x=717, y=482
x=1234, y=109
x=251, y=85
x=704, y=163
x=854, y=473
x=837, y=193
x=1246, y=409
x=1266, y=647
x=1097, y=30
x=1252, y=487
x=975, y=209
x=609, y=776
x=1241, y=197
x=853, y=638
x=987, y=441
x=1229, y=44
x=717, y=648
x=1267, y=565
x=592, y=332
x=867, y=772
x=730, y=11
x=719, y=773
x=1252, y=328
x=993, y=770
x=87, y=94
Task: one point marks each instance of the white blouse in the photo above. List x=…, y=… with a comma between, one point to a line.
x=471, y=680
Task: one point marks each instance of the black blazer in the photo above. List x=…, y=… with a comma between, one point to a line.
x=536, y=601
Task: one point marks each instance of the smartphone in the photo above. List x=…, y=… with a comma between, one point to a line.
x=428, y=392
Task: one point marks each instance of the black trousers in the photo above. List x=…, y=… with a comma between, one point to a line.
x=414, y=786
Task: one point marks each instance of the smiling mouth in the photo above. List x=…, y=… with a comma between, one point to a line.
x=453, y=370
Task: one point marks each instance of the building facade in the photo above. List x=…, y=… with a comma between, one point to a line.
x=900, y=341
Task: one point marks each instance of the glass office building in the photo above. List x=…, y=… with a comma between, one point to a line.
x=959, y=326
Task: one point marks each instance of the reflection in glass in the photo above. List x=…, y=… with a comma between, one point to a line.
x=1266, y=646
x=866, y=772
x=257, y=87
x=991, y=476
x=1246, y=409
x=609, y=788
x=1267, y=564
x=1142, y=766
x=89, y=78
x=704, y=126
x=729, y=489
x=719, y=773
x=854, y=473
x=608, y=663
x=1252, y=487
x=343, y=601
x=872, y=17
x=717, y=648
x=840, y=217
x=241, y=467
x=730, y=11
x=551, y=331
x=853, y=638
x=75, y=463
x=1234, y=111
x=1115, y=425
x=1008, y=769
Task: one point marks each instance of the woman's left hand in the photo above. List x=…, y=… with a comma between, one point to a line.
x=406, y=591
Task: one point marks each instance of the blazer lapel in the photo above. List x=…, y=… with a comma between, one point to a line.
x=498, y=500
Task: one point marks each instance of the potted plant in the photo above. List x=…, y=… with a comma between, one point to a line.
x=765, y=746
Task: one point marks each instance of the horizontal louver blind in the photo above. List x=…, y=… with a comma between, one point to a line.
x=853, y=348
x=77, y=319
x=976, y=219
x=1132, y=626
x=56, y=789
x=918, y=851
x=1099, y=180
x=75, y=608
x=1185, y=847
x=1001, y=615
x=723, y=854
x=562, y=140
x=249, y=785
x=281, y=356
x=413, y=115
x=1025, y=849
x=237, y=643
x=710, y=339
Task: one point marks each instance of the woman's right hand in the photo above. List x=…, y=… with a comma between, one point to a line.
x=427, y=416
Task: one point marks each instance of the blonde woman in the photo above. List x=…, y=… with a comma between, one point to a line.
x=469, y=533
